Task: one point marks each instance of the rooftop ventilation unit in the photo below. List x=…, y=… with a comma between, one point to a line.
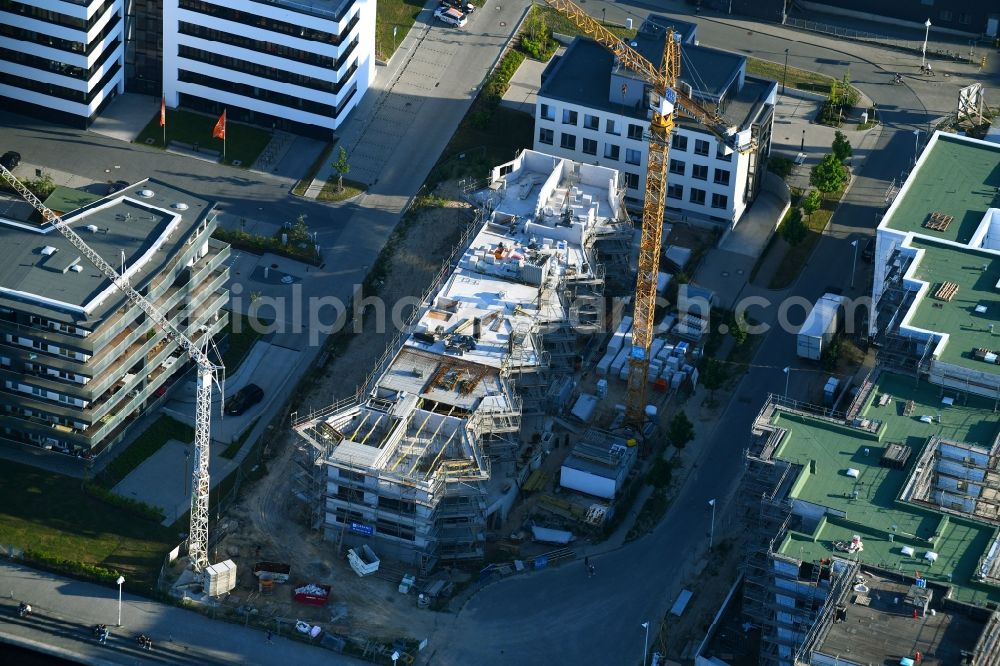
x=180, y=205
x=146, y=194
x=92, y=228
x=76, y=268
x=48, y=251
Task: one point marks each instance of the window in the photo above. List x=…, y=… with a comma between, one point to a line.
x=697, y=196
x=675, y=191
x=679, y=142
x=589, y=147
x=611, y=128
x=547, y=112
x=946, y=14
x=611, y=151
x=964, y=19
x=591, y=122
x=631, y=180
x=567, y=141
x=676, y=166
x=700, y=147
x=721, y=177
x=569, y=117
x=632, y=156
x=545, y=136
x=699, y=172
x=719, y=201
x=635, y=132
x=720, y=153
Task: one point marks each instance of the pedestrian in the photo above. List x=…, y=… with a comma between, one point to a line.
x=270, y=635
x=590, y=571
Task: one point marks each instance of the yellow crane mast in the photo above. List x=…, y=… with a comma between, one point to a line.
x=666, y=98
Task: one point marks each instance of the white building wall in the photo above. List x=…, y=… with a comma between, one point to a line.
x=363, y=55
x=635, y=173
x=86, y=38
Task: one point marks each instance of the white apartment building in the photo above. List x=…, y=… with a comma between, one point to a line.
x=591, y=109
x=299, y=65
x=61, y=60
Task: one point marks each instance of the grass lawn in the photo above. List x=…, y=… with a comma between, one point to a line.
x=796, y=78
x=562, y=25
x=401, y=14
x=148, y=443
x=351, y=189
x=243, y=142
x=239, y=344
x=473, y=151
x=50, y=514
x=797, y=255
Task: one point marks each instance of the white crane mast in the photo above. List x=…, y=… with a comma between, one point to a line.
x=198, y=537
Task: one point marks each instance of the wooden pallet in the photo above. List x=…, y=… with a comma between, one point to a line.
x=939, y=221
x=946, y=291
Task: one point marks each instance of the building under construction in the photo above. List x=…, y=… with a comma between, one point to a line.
x=427, y=453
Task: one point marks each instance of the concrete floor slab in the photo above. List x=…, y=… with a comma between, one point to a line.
x=523, y=90
x=126, y=116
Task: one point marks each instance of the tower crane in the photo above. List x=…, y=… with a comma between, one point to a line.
x=207, y=374
x=667, y=98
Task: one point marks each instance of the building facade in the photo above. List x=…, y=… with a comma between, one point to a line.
x=297, y=66
x=78, y=362
x=61, y=60
x=591, y=109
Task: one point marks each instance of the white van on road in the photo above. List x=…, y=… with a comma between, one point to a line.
x=451, y=16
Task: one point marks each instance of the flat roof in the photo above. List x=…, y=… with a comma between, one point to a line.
x=582, y=75
x=881, y=628
x=960, y=542
x=955, y=176
x=967, y=329
x=66, y=199
x=145, y=221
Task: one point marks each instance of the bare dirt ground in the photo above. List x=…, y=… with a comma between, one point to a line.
x=270, y=522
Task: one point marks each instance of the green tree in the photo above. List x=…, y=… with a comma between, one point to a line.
x=713, y=376
x=342, y=168
x=841, y=146
x=811, y=202
x=681, y=430
x=794, y=229
x=738, y=329
x=829, y=175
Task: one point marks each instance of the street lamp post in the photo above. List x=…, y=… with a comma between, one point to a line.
x=923, y=52
x=802, y=144
x=784, y=73
x=120, y=581
x=394, y=28
x=854, y=266
x=711, y=532
x=604, y=15
x=788, y=373
x=645, y=643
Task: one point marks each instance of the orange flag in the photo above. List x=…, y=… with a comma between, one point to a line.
x=219, y=132
x=163, y=111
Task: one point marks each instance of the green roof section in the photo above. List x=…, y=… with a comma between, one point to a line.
x=957, y=177
x=67, y=199
x=967, y=328
x=827, y=450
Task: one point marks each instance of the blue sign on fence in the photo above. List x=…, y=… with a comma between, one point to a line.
x=361, y=528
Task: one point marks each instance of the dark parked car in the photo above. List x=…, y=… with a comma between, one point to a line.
x=244, y=399
x=869, y=252
x=10, y=160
